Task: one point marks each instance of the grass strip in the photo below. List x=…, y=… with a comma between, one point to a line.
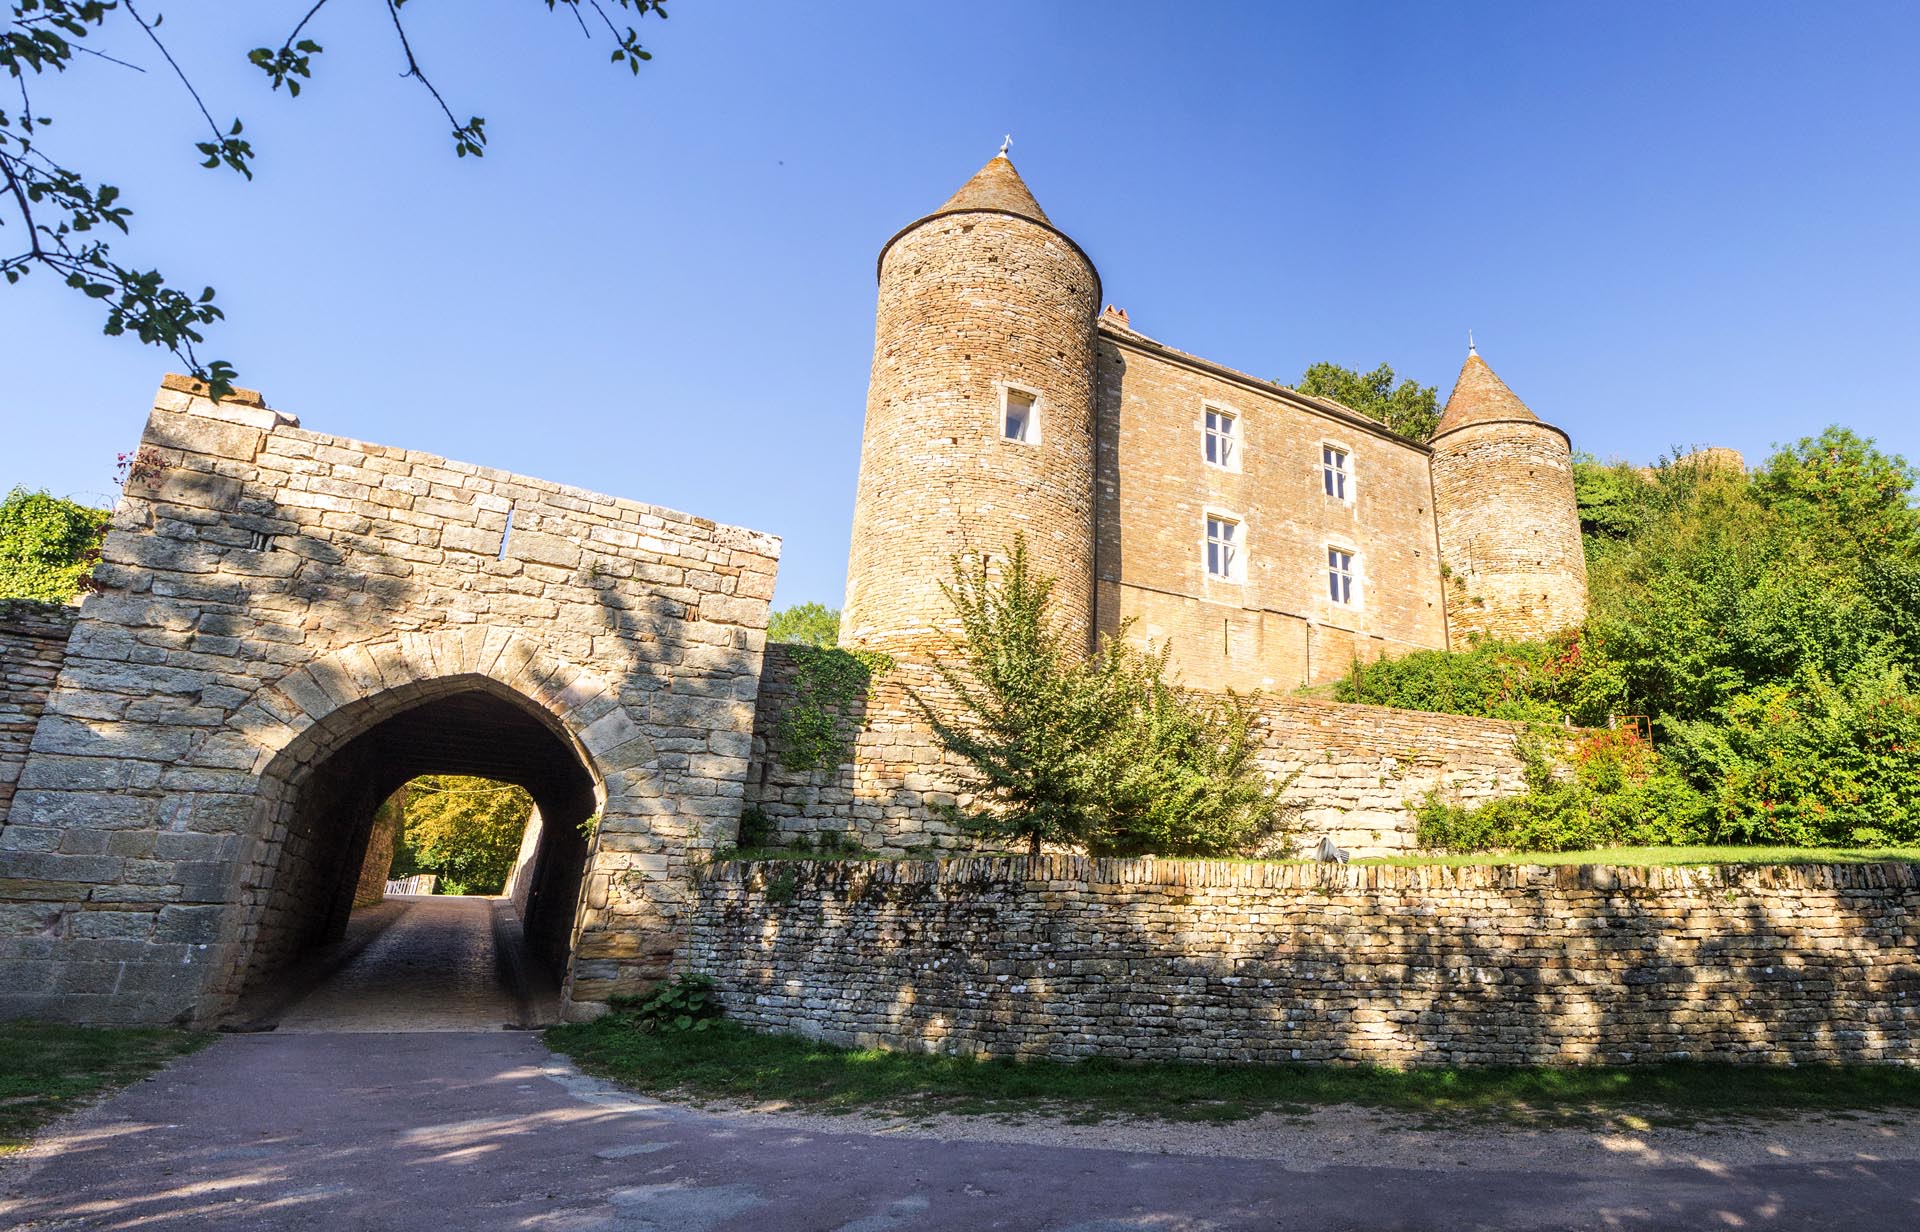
x=729, y=1062
x=1662, y=857
x=1632, y=857
x=47, y=1070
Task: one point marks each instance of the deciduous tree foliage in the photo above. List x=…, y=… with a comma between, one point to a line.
x=1409, y=408
x=1767, y=624
x=465, y=829
x=61, y=217
x=805, y=624
x=48, y=546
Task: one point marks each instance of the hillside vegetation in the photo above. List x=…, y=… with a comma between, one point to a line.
x=1765, y=624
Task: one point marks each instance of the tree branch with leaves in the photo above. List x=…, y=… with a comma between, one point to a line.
x=62, y=220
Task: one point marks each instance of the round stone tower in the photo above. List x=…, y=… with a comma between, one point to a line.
x=980, y=414
x=1508, y=525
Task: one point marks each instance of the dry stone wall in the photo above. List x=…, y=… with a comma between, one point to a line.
x=1355, y=769
x=33, y=642
x=1174, y=960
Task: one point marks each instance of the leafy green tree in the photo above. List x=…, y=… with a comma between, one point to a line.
x=1615, y=500
x=1409, y=408
x=1100, y=751
x=805, y=624
x=1839, y=487
x=1769, y=625
x=48, y=546
x=63, y=215
x=465, y=829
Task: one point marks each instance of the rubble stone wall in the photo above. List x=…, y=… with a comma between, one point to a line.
x=1357, y=768
x=33, y=642
x=1174, y=960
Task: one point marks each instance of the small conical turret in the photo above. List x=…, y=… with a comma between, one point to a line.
x=997, y=186
x=1504, y=507
x=1479, y=396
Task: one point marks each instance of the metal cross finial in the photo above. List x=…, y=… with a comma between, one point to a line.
x=1004, y=143
x=1470, y=349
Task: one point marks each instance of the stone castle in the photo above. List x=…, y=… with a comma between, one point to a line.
x=288, y=626
x=1273, y=537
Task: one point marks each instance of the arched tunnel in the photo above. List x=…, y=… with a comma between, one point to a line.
x=323, y=821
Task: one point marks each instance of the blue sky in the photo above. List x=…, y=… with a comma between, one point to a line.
x=1665, y=224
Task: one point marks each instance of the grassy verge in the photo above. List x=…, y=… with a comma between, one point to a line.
x=1642, y=857
x=1669, y=856
x=48, y=1070
x=728, y=1062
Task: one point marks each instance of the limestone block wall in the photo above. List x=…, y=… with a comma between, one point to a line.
x=33, y=642
x=271, y=593
x=1173, y=960
x=887, y=793
x=1357, y=767
x=1276, y=626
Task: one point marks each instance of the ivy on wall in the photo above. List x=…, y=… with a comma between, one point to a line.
x=815, y=730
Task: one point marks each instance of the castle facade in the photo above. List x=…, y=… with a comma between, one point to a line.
x=1271, y=536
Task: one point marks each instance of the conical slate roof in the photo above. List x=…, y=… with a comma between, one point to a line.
x=997, y=186
x=1480, y=397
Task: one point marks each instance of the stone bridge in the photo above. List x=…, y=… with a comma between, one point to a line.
x=288, y=627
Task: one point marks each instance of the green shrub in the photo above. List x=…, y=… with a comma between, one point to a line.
x=48, y=546
x=1606, y=789
x=1813, y=762
x=683, y=1004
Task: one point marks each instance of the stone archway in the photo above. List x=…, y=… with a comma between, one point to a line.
x=332, y=739
x=269, y=594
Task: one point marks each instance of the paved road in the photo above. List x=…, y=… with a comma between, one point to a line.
x=330, y=1124
x=480, y=1131
x=436, y=967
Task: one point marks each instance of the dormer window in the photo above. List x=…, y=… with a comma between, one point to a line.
x=1222, y=441
x=1336, y=477
x=1019, y=415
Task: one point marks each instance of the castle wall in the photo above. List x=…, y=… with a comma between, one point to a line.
x=1279, y=627
x=1193, y=961
x=970, y=303
x=269, y=594
x=33, y=643
x=1509, y=531
x=1357, y=768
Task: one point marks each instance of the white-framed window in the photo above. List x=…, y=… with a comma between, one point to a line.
x=1336, y=472
x=1225, y=548
x=1340, y=575
x=1019, y=415
x=1221, y=441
